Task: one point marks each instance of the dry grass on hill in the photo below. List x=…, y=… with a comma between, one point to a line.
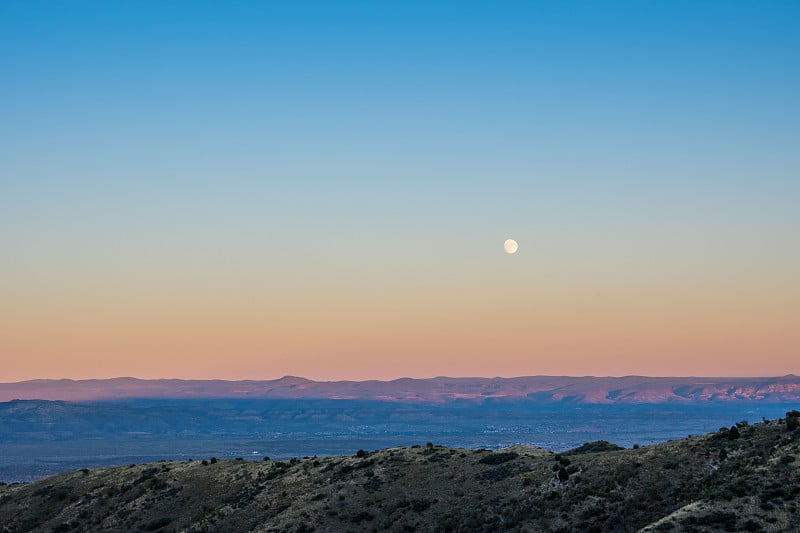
x=742, y=479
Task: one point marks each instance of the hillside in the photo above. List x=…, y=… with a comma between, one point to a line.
x=587, y=389
x=742, y=478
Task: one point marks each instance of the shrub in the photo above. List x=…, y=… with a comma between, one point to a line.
x=563, y=475
x=362, y=516
x=751, y=525
x=723, y=454
x=419, y=505
x=792, y=420
x=497, y=458
x=733, y=433
x=361, y=453
x=213, y=460
x=158, y=524
x=594, y=447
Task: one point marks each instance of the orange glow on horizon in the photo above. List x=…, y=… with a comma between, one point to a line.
x=330, y=332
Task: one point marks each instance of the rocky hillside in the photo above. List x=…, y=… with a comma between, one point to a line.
x=743, y=478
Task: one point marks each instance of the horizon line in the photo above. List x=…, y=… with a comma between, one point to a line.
x=440, y=377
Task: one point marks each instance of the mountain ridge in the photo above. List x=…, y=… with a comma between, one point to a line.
x=584, y=389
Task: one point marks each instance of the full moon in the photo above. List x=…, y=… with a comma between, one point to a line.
x=510, y=246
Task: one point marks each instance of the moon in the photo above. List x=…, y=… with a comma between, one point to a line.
x=510, y=246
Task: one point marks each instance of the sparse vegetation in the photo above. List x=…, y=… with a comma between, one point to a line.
x=713, y=482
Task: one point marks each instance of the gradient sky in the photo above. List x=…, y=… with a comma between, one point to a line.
x=244, y=190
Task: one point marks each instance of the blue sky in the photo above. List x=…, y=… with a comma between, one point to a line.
x=400, y=141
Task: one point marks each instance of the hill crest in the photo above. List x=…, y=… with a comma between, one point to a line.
x=742, y=478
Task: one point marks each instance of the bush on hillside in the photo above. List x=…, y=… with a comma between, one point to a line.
x=792, y=420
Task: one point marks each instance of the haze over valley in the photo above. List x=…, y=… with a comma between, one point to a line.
x=48, y=426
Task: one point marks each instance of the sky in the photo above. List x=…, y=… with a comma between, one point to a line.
x=246, y=190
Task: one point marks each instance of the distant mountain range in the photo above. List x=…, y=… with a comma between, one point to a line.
x=595, y=390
